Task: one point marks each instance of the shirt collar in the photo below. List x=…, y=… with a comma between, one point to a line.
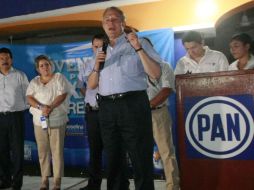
x=206, y=48
x=250, y=63
x=10, y=71
x=121, y=39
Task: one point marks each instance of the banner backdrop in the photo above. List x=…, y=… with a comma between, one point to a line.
x=67, y=59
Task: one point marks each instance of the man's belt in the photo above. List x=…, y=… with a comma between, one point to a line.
x=120, y=95
x=6, y=113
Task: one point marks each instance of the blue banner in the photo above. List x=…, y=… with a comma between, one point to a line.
x=68, y=58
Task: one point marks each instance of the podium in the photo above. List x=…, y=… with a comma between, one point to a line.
x=215, y=130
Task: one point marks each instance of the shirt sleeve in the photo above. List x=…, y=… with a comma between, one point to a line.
x=151, y=51
x=167, y=77
x=62, y=85
x=179, y=68
x=223, y=63
x=24, y=85
x=89, y=68
x=30, y=91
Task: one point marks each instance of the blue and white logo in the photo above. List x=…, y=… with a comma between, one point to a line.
x=219, y=127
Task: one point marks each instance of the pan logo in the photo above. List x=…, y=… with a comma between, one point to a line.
x=219, y=127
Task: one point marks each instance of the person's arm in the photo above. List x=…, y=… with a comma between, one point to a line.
x=167, y=81
x=33, y=102
x=46, y=109
x=160, y=97
x=36, y=104
x=151, y=67
x=57, y=101
x=83, y=91
x=93, y=78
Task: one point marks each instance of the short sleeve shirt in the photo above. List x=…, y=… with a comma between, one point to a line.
x=212, y=61
x=46, y=94
x=13, y=91
x=249, y=65
x=166, y=80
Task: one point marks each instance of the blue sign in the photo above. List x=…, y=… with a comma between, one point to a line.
x=219, y=127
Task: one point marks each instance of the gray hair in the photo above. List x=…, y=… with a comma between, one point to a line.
x=116, y=9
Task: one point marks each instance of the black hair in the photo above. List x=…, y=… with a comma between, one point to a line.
x=99, y=36
x=6, y=50
x=192, y=36
x=245, y=39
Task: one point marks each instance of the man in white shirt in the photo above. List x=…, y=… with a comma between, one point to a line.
x=199, y=58
x=158, y=92
x=13, y=85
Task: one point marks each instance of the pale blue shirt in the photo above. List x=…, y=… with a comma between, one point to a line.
x=123, y=70
x=13, y=91
x=84, y=72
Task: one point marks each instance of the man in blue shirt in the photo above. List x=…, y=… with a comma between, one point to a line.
x=125, y=115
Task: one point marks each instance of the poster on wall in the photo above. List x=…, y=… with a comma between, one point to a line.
x=67, y=59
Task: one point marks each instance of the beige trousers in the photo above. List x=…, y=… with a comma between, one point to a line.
x=50, y=142
x=162, y=124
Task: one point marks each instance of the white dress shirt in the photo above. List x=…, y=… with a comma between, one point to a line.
x=212, y=61
x=249, y=65
x=13, y=91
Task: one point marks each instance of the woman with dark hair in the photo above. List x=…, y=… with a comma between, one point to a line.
x=47, y=96
x=241, y=48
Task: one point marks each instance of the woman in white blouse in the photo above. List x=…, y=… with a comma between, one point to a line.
x=47, y=96
x=241, y=49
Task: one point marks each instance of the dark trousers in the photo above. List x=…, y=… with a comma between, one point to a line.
x=126, y=125
x=95, y=148
x=12, y=148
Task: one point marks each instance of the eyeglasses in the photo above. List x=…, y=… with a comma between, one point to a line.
x=109, y=19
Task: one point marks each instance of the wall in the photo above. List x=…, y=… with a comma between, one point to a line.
x=154, y=15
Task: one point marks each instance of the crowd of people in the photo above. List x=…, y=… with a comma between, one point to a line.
x=126, y=86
